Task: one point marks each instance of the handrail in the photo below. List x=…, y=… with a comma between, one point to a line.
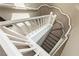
x=8, y=47
x=39, y=20
x=8, y=22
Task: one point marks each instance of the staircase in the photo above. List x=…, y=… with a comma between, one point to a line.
x=36, y=36
x=18, y=39
x=53, y=37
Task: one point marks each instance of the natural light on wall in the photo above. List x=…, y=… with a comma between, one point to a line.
x=19, y=6
x=19, y=16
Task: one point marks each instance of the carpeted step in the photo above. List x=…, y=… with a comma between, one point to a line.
x=53, y=37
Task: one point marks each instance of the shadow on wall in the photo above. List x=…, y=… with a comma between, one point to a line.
x=5, y=13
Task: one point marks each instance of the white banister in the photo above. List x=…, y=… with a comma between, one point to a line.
x=27, y=27
x=26, y=50
x=8, y=47
x=53, y=19
x=8, y=22
x=21, y=29
x=50, y=18
x=20, y=43
x=35, y=27
x=11, y=32
x=15, y=38
x=40, y=51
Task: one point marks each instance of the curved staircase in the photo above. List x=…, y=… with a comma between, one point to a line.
x=22, y=38
x=53, y=37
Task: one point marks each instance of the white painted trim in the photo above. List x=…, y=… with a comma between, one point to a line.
x=15, y=38
x=13, y=32
x=38, y=49
x=68, y=24
x=26, y=50
x=37, y=34
x=7, y=45
x=9, y=22
x=20, y=43
x=33, y=44
x=65, y=34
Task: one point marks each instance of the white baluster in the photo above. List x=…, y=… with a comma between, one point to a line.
x=50, y=18
x=20, y=28
x=38, y=22
x=8, y=47
x=19, y=43
x=9, y=31
x=28, y=25
x=44, y=20
x=16, y=38
x=26, y=50
x=32, y=25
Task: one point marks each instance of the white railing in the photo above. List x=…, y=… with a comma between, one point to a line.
x=29, y=26
x=30, y=23
x=8, y=47
x=37, y=34
x=25, y=26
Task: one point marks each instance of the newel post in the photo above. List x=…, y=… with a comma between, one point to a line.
x=50, y=17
